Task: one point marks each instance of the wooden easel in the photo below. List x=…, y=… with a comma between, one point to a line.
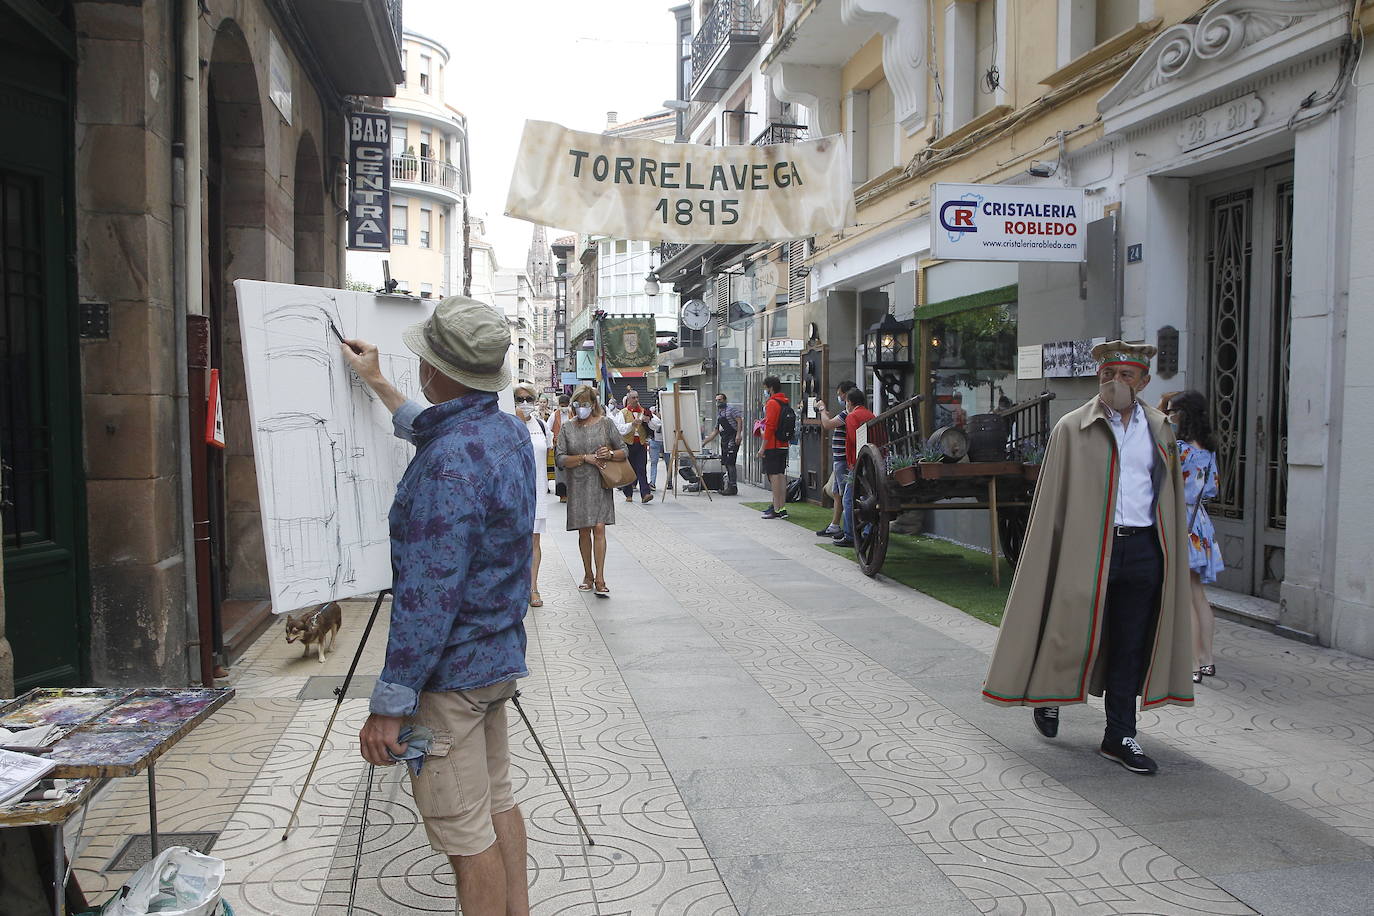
x=680, y=447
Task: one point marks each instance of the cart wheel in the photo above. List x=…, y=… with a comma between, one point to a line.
x=1012, y=525
x=870, y=519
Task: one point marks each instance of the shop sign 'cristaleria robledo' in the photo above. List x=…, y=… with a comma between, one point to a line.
x=680, y=192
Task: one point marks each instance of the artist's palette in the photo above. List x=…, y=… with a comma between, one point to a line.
x=60, y=706
x=112, y=731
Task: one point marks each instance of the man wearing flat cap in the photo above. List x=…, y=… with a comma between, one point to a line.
x=1100, y=602
x=460, y=550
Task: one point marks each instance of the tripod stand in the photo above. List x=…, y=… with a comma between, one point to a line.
x=341, y=692
x=682, y=447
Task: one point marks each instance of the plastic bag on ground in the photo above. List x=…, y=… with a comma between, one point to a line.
x=179, y=882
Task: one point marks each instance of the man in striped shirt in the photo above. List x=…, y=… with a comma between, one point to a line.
x=839, y=468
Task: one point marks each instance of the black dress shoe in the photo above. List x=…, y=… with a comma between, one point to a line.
x=1127, y=753
x=1046, y=720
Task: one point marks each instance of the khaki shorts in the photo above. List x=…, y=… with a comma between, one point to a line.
x=466, y=776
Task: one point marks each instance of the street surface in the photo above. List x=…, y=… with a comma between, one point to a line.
x=751, y=726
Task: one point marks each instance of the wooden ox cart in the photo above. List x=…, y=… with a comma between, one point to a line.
x=994, y=462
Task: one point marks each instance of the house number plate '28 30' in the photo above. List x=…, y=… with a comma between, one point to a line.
x=1234, y=117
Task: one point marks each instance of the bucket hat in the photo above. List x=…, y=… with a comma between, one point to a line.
x=466, y=340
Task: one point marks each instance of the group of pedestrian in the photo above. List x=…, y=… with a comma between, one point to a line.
x=1096, y=608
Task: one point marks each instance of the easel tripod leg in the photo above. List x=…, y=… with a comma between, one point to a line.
x=339, y=693
x=362, y=835
x=545, y=754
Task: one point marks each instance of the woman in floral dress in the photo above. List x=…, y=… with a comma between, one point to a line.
x=1197, y=452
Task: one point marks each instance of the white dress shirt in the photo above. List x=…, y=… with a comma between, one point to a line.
x=1135, y=495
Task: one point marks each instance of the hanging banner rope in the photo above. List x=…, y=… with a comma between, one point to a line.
x=680, y=192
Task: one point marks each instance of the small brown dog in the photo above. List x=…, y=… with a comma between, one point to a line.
x=314, y=627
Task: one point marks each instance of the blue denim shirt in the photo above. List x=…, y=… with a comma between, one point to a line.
x=460, y=552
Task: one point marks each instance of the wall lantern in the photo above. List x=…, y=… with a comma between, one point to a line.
x=887, y=345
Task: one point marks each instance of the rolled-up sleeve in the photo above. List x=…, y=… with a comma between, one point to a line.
x=403, y=420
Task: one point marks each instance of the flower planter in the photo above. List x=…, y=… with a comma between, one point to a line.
x=930, y=470
x=904, y=477
x=1030, y=471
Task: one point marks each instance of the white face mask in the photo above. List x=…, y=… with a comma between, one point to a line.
x=583, y=412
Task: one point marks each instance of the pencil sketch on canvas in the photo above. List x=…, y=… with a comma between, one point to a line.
x=327, y=461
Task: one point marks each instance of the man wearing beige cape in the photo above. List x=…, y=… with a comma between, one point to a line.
x=1100, y=602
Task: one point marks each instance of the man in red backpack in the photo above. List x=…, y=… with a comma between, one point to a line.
x=779, y=431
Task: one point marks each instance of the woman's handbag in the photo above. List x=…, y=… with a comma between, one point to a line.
x=616, y=473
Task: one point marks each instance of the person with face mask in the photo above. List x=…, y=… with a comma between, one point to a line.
x=1101, y=601
x=540, y=441
x=586, y=442
x=729, y=419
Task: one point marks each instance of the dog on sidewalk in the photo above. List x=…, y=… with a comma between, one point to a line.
x=316, y=626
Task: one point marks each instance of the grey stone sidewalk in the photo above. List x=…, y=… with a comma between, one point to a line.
x=751, y=726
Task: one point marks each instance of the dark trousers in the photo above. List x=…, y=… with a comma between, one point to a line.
x=1133, y=586
x=729, y=453
x=638, y=456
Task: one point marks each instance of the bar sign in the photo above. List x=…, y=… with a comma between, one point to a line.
x=369, y=182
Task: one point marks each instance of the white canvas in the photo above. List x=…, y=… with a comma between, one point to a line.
x=680, y=409
x=327, y=461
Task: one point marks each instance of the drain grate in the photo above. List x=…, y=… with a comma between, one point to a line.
x=135, y=852
x=321, y=687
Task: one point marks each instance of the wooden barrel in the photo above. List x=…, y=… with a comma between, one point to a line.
x=987, y=437
x=951, y=441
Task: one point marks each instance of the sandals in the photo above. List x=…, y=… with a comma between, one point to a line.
x=535, y=600
x=601, y=590
x=1204, y=671
x=586, y=585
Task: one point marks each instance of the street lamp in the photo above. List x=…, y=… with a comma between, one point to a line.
x=651, y=284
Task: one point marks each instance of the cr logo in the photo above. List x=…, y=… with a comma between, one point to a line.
x=957, y=215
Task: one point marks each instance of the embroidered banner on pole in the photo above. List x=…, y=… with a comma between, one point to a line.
x=629, y=342
x=680, y=192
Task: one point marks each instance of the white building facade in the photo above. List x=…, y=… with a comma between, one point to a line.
x=429, y=180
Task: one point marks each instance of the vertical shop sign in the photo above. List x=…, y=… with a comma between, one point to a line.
x=369, y=182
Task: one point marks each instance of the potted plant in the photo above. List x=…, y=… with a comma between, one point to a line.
x=930, y=457
x=903, y=471
x=1031, y=457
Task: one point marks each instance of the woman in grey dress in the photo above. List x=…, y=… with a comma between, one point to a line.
x=585, y=442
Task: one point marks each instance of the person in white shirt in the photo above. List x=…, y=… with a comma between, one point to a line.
x=1101, y=601
x=540, y=440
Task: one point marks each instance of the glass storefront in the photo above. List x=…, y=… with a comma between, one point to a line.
x=972, y=362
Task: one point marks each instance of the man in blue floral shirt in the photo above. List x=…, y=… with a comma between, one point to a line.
x=460, y=550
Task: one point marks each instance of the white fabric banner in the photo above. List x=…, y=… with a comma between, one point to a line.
x=680, y=192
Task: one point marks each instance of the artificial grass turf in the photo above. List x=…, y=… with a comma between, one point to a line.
x=955, y=575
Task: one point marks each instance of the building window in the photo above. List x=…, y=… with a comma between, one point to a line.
x=882, y=130
x=426, y=219
x=400, y=220
x=424, y=73
x=398, y=140
x=1085, y=24
x=427, y=144
x=426, y=290
x=974, y=46
x=405, y=66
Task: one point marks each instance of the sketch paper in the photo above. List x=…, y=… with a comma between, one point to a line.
x=680, y=409
x=19, y=773
x=327, y=460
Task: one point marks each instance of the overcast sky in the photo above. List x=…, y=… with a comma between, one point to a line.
x=549, y=60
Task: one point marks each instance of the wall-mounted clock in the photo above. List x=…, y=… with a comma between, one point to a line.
x=695, y=314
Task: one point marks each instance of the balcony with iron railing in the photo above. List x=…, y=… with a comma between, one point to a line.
x=723, y=46
x=426, y=171
x=777, y=132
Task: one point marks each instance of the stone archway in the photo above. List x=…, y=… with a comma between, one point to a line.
x=308, y=197
x=236, y=248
